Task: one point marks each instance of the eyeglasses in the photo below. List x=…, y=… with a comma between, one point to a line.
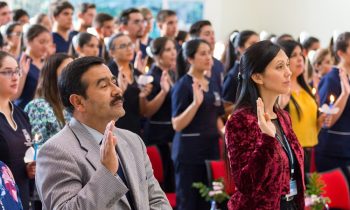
x=10, y=73
x=124, y=46
x=139, y=22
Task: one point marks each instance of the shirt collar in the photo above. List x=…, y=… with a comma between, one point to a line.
x=96, y=134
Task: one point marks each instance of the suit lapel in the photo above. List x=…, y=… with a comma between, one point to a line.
x=87, y=142
x=129, y=166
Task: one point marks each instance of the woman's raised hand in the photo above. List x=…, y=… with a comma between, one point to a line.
x=264, y=120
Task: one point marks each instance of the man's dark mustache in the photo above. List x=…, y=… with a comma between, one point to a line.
x=116, y=99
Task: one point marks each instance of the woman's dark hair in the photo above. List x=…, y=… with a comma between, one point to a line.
x=288, y=46
x=34, y=31
x=70, y=80
x=18, y=13
x=48, y=84
x=236, y=40
x=10, y=27
x=181, y=37
x=341, y=44
x=83, y=38
x=3, y=55
x=254, y=60
x=158, y=45
x=188, y=50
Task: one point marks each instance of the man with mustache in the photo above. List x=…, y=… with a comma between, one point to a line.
x=90, y=164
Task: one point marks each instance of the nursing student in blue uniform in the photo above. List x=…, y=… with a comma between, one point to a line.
x=195, y=114
x=239, y=42
x=63, y=19
x=333, y=149
x=38, y=41
x=15, y=130
x=158, y=128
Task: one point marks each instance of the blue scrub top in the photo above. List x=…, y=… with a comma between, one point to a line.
x=158, y=128
x=29, y=87
x=61, y=44
x=230, y=86
x=199, y=140
x=334, y=141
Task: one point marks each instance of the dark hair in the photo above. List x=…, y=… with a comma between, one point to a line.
x=284, y=37
x=48, y=84
x=196, y=27
x=18, y=13
x=34, y=31
x=341, y=44
x=181, y=37
x=288, y=46
x=84, y=7
x=188, y=50
x=254, y=60
x=3, y=4
x=101, y=18
x=124, y=16
x=3, y=55
x=10, y=27
x=58, y=6
x=70, y=82
x=158, y=45
x=110, y=44
x=163, y=14
x=236, y=40
x=309, y=42
x=83, y=38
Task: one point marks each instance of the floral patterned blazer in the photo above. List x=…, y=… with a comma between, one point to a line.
x=258, y=164
x=9, y=194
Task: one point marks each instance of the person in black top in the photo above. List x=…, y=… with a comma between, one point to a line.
x=15, y=130
x=158, y=128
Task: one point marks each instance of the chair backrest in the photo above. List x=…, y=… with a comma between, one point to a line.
x=337, y=188
x=216, y=169
x=156, y=161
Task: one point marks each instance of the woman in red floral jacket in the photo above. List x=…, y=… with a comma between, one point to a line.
x=266, y=160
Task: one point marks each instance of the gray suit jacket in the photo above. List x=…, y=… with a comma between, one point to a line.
x=69, y=174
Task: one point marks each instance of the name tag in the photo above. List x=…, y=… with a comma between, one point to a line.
x=293, y=188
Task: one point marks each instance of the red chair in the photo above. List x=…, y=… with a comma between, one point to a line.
x=337, y=188
x=157, y=166
x=216, y=169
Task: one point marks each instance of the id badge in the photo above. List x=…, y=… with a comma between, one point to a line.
x=293, y=188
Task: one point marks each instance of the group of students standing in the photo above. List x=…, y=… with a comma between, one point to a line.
x=182, y=110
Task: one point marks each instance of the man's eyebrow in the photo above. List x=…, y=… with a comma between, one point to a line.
x=104, y=79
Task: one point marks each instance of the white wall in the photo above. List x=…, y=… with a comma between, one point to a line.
x=317, y=17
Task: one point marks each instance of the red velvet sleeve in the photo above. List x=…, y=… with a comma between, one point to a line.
x=252, y=158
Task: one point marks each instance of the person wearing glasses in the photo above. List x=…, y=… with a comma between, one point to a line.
x=13, y=35
x=15, y=129
x=121, y=50
x=133, y=24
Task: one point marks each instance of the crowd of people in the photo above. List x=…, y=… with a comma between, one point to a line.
x=79, y=106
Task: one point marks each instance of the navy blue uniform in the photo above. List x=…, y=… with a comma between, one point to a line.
x=131, y=120
x=29, y=87
x=159, y=130
x=195, y=143
x=333, y=149
x=62, y=45
x=229, y=90
x=13, y=148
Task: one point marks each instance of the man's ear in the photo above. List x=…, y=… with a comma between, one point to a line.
x=78, y=102
x=257, y=78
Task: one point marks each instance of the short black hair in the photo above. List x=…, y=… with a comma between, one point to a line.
x=163, y=14
x=18, y=13
x=196, y=27
x=124, y=16
x=70, y=82
x=58, y=6
x=3, y=4
x=101, y=18
x=84, y=7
